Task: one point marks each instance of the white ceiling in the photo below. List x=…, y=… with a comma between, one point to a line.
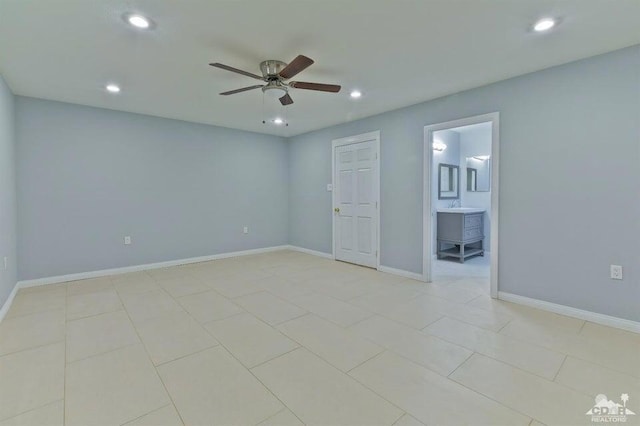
x=397, y=52
x=472, y=128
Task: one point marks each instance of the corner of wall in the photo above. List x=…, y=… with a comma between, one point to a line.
x=8, y=198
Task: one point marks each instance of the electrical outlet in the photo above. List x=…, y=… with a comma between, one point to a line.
x=127, y=240
x=616, y=272
x=245, y=230
x=329, y=187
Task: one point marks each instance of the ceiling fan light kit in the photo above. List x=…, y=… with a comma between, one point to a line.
x=274, y=73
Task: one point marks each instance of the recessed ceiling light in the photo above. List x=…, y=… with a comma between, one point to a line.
x=355, y=94
x=113, y=88
x=278, y=120
x=544, y=24
x=139, y=21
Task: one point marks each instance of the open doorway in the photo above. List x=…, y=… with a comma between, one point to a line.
x=460, y=241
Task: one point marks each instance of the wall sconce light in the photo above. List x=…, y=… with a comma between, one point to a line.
x=481, y=157
x=439, y=146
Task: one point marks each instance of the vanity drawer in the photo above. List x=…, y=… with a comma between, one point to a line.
x=472, y=221
x=472, y=233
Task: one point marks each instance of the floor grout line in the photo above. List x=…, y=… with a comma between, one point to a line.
x=103, y=353
x=555, y=376
x=482, y=394
x=44, y=311
x=475, y=298
x=366, y=360
x=345, y=329
x=475, y=350
x=260, y=381
x=281, y=411
x=186, y=355
x=582, y=327
x=291, y=319
x=499, y=331
x=46, y=404
x=352, y=378
x=68, y=320
x=405, y=414
x=275, y=327
x=448, y=376
x=375, y=392
x=56, y=342
x=146, y=414
x=220, y=344
x=527, y=373
x=373, y=314
x=154, y=367
x=275, y=357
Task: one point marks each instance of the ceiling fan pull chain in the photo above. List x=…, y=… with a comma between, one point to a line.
x=286, y=117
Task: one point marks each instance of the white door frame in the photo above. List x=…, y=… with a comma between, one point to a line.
x=364, y=137
x=427, y=221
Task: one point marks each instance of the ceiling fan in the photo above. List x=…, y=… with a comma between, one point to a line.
x=274, y=73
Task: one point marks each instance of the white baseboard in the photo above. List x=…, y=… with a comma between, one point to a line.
x=144, y=267
x=388, y=270
x=607, y=320
x=401, y=272
x=309, y=251
x=8, y=302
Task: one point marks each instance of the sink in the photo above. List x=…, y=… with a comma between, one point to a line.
x=461, y=210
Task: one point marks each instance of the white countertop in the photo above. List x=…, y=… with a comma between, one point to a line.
x=461, y=210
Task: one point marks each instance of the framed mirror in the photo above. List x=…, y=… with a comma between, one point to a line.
x=448, y=182
x=478, y=173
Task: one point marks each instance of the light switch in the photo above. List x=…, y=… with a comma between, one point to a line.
x=329, y=187
x=127, y=240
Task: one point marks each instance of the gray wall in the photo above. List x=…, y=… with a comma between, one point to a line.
x=8, y=204
x=87, y=177
x=568, y=190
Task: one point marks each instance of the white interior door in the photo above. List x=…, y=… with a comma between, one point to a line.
x=356, y=203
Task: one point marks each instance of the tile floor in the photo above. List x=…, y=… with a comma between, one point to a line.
x=285, y=338
x=451, y=268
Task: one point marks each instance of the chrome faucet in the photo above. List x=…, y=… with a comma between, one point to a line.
x=453, y=203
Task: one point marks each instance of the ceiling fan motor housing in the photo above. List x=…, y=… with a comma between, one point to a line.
x=271, y=68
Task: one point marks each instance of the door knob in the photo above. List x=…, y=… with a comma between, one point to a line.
x=337, y=210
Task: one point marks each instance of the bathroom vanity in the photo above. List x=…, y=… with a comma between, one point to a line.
x=460, y=233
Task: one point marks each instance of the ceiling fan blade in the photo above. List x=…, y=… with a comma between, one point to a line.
x=244, y=89
x=236, y=70
x=333, y=88
x=300, y=63
x=286, y=100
